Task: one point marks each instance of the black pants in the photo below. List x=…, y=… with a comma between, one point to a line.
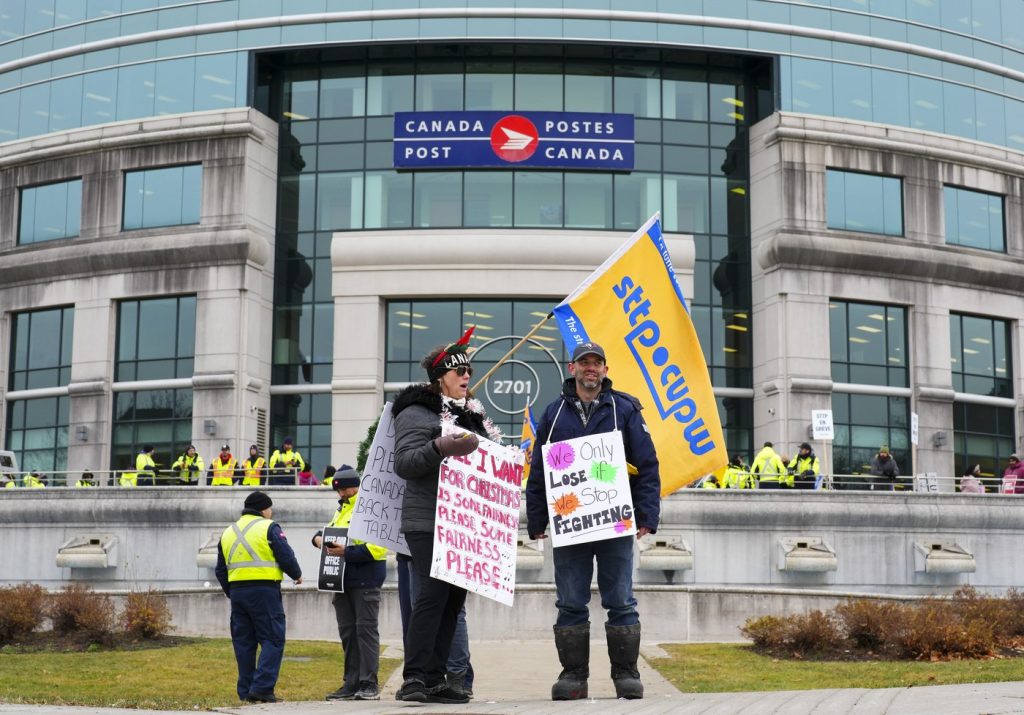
x=432, y=622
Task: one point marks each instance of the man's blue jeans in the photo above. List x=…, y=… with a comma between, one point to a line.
x=574, y=570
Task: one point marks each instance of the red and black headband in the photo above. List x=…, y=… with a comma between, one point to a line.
x=452, y=356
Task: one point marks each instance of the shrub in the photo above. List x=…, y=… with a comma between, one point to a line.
x=815, y=631
x=78, y=610
x=146, y=615
x=767, y=631
x=22, y=609
x=934, y=630
x=1015, y=613
x=871, y=625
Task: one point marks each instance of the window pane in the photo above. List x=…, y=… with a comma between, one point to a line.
x=853, y=201
x=50, y=212
x=588, y=200
x=973, y=219
x=538, y=199
x=437, y=199
x=489, y=199
x=162, y=197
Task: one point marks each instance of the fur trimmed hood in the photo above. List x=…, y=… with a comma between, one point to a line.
x=423, y=396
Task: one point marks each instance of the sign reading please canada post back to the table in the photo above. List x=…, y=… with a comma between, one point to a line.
x=477, y=520
x=588, y=489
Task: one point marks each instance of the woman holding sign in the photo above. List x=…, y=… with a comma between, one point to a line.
x=420, y=412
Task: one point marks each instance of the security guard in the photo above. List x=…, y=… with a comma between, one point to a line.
x=189, y=466
x=287, y=461
x=86, y=480
x=222, y=469
x=772, y=472
x=252, y=556
x=253, y=467
x=145, y=470
x=736, y=475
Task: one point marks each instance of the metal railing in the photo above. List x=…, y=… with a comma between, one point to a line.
x=112, y=478
x=920, y=483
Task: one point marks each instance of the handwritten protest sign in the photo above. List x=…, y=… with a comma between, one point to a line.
x=331, y=574
x=477, y=520
x=588, y=489
x=377, y=516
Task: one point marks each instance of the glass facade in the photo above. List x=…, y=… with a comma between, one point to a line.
x=162, y=418
x=307, y=420
x=168, y=196
x=50, y=212
x=979, y=355
x=984, y=435
x=864, y=202
x=950, y=66
x=40, y=357
x=335, y=170
x=974, y=219
x=868, y=346
x=156, y=339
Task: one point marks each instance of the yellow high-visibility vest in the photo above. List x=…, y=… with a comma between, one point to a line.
x=223, y=472
x=253, y=471
x=247, y=551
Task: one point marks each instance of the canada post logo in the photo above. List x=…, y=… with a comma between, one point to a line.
x=556, y=140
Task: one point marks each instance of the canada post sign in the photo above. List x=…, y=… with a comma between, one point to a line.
x=552, y=140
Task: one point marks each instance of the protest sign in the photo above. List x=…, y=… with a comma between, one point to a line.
x=477, y=521
x=588, y=489
x=331, y=574
x=377, y=515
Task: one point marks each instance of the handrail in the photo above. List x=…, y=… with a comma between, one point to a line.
x=111, y=478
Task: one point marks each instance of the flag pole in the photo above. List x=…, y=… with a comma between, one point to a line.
x=515, y=347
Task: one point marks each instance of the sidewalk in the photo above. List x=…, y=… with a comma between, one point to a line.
x=515, y=677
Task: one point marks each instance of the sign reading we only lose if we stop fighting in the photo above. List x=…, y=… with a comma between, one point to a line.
x=588, y=489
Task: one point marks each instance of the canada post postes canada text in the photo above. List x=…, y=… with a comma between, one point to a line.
x=570, y=140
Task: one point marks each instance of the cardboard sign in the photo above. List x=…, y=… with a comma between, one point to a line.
x=377, y=516
x=928, y=482
x=331, y=574
x=587, y=489
x=477, y=520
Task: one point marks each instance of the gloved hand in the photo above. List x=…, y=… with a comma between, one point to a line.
x=456, y=445
x=193, y=468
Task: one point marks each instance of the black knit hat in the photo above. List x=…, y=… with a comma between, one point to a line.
x=345, y=478
x=258, y=501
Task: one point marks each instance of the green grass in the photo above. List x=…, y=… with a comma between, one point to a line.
x=200, y=675
x=719, y=668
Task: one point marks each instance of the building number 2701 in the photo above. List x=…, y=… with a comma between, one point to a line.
x=512, y=387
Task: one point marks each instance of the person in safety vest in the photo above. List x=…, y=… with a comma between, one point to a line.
x=222, y=469
x=711, y=482
x=7, y=480
x=770, y=469
x=252, y=558
x=189, y=467
x=287, y=461
x=330, y=471
x=252, y=468
x=33, y=480
x=145, y=470
x=804, y=468
x=737, y=474
x=356, y=608
x=86, y=480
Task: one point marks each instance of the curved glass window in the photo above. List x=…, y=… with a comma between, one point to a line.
x=974, y=219
x=864, y=202
x=50, y=212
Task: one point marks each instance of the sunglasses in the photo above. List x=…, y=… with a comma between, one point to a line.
x=462, y=370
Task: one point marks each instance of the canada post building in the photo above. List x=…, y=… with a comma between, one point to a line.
x=236, y=220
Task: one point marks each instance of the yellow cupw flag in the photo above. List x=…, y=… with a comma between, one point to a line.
x=633, y=307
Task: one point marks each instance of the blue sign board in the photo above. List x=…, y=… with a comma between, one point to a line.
x=550, y=140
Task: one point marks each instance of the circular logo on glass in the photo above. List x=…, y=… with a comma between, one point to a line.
x=514, y=138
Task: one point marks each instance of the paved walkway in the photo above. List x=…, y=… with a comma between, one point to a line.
x=514, y=678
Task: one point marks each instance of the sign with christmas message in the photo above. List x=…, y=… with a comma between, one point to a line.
x=588, y=489
x=377, y=516
x=477, y=520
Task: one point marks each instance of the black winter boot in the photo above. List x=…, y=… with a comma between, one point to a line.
x=573, y=644
x=623, y=652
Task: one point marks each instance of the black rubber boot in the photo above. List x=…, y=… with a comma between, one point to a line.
x=623, y=652
x=573, y=644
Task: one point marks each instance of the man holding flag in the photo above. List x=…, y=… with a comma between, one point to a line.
x=588, y=405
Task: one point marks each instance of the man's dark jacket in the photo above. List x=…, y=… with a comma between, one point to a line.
x=644, y=486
